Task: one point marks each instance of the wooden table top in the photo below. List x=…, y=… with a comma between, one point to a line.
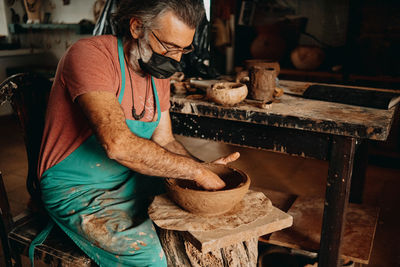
x=297, y=113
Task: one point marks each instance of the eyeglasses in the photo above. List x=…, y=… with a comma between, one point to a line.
x=174, y=51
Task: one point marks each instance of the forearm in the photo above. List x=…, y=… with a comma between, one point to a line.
x=141, y=155
x=176, y=147
x=146, y=157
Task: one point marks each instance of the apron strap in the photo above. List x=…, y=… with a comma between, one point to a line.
x=39, y=239
x=122, y=67
x=156, y=96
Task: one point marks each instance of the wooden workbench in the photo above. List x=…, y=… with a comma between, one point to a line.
x=301, y=127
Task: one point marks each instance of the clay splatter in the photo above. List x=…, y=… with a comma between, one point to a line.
x=141, y=243
x=134, y=245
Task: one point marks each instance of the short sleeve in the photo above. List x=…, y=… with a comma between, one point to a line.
x=88, y=67
x=164, y=95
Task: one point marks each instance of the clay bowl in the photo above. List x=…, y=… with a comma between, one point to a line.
x=227, y=93
x=194, y=199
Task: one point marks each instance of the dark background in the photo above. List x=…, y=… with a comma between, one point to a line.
x=360, y=39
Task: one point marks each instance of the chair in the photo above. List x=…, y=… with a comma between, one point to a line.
x=28, y=94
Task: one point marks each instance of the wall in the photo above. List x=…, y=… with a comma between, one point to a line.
x=56, y=42
x=52, y=43
x=327, y=20
x=3, y=19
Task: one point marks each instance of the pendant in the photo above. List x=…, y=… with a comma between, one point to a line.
x=140, y=116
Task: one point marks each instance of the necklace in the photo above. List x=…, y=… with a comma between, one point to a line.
x=134, y=115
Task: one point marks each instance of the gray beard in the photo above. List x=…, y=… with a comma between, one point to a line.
x=134, y=54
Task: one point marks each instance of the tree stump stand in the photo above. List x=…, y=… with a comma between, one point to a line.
x=180, y=252
x=230, y=240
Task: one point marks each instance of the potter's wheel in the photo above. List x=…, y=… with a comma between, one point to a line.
x=167, y=215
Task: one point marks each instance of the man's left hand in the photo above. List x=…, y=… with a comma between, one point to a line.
x=225, y=160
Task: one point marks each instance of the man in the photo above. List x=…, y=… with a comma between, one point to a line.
x=108, y=138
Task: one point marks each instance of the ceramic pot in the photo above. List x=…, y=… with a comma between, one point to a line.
x=262, y=63
x=268, y=45
x=227, y=93
x=306, y=57
x=196, y=200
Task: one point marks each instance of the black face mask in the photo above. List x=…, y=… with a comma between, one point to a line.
x=160, y=66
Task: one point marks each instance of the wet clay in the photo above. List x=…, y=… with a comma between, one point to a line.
x=231, y=177
x=196, y=200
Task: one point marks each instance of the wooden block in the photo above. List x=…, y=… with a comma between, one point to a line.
x=305, y=233
x=209, y=240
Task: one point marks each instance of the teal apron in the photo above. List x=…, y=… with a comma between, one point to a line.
x=102, y=205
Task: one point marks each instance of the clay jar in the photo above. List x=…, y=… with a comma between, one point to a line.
x=262, y=83
x=263, y=63
x=194, y=199
x=244, y=77
x=227, y=93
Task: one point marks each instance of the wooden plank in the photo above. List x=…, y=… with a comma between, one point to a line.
x=297, y=113
x=359, y=171
x=209, y=240
x=21, y=52
x=57, y=250
x=360, y=225
x=288, y=141
x=302, y=86
x=280, y=200
x=25, y=28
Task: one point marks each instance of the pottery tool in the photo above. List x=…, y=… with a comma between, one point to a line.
x=364, y=97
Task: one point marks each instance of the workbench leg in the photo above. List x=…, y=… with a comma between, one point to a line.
x=336, y=199
x=359, y=171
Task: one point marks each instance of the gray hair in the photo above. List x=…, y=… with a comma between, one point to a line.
x=190, y=12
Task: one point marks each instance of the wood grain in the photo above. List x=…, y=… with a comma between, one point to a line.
x=297, y=113
x=359, y=231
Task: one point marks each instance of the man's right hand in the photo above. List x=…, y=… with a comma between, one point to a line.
x=209, y=180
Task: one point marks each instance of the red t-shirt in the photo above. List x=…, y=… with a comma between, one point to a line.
x=91, y=64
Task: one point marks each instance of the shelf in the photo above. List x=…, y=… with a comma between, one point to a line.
x=312, y=76
x=24, y=28
x=20, y=52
